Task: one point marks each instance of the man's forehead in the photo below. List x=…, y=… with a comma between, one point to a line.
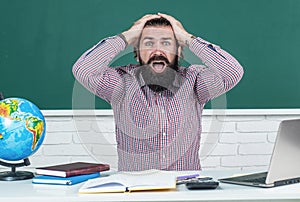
x=158, y=32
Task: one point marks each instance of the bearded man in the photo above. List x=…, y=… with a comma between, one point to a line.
x=157, y=103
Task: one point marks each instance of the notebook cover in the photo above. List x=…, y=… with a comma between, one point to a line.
x=44, y=179
x=72, y=169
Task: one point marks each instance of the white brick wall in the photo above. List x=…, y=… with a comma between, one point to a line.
x=241, y=139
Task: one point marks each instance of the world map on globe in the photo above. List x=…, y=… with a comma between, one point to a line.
x=22, y=129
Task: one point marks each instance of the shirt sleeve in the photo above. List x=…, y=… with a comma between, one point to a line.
x=220, y=73
x=92, y=68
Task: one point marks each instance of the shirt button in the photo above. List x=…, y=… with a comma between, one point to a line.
x=164, y=134
x=164, y=156
x=162, y=111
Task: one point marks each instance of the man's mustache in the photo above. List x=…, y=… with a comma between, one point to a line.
x=158, y=57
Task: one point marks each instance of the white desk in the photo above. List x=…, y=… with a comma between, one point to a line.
x=26, y=191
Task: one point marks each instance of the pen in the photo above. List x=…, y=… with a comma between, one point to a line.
x=184, y=177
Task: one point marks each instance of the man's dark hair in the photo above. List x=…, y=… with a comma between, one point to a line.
x=154, y=23
x=158, y=22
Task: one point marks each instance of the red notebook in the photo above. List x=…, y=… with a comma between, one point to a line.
x=72, y=169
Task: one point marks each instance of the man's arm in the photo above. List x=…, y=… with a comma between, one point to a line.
x=222, y=70
x=92, y=69
x=220, y=74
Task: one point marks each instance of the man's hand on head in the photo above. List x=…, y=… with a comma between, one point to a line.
x=132, y=35
x=184, y=38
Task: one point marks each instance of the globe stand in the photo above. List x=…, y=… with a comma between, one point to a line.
x=14, y=175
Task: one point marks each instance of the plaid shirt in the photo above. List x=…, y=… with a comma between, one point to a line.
x=157, y=130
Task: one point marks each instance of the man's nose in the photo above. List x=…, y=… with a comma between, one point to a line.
x=157, y=51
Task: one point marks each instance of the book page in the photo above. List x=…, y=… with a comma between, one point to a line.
x=124, y=181
x=113, y=183
x=150, y=179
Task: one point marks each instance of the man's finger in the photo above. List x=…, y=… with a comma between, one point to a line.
x=150, y=16
x=168, y=17
x=146, y=18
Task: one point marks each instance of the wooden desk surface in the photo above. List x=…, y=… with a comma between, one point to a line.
x=26, y=191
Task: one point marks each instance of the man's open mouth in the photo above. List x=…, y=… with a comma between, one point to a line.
x=158, y=66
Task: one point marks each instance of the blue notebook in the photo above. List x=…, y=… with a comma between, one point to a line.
x=44, y=179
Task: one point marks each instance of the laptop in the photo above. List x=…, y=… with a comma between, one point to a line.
x=284, y=166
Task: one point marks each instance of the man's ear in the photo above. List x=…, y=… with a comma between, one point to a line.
x=136, y=53
x=179, y=51
x=137, y=56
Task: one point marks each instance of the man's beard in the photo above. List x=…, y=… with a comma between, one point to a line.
x=159, y=82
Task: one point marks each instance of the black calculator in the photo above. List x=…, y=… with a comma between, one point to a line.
x=202, y=184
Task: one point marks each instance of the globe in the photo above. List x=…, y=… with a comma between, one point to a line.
x=22, y=129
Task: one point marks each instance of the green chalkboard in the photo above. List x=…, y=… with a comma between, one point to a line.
x=41, y=39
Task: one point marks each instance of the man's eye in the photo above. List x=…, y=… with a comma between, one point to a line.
x=166, y=43
x=149, y=43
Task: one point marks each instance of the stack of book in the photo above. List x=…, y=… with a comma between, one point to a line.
x=69, y=174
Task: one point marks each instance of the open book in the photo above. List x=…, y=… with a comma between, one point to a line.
x=131, y=181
